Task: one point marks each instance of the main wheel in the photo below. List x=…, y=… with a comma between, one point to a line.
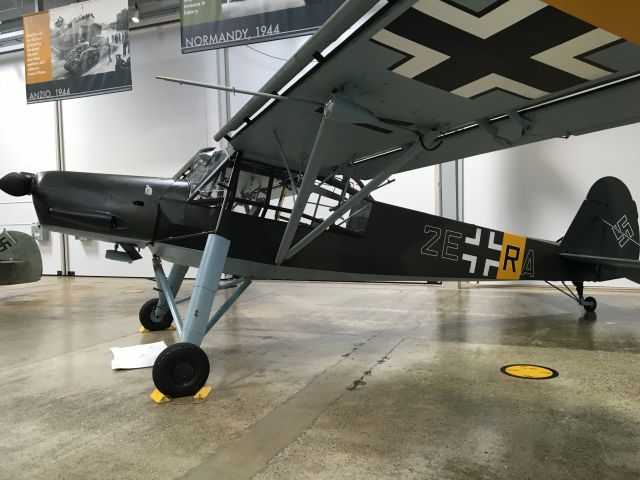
x=149, y=320
x=589, y=304
x=181, y=370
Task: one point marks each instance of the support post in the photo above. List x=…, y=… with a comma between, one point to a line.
x=409, y=154
x=224, y=98
x=65, y=266
x=450, y=198
x=205, y=288
x=304, y=192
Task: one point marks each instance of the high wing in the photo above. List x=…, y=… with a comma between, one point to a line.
x=484, y=75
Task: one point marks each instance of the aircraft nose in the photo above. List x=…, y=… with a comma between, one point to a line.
x=17, y=184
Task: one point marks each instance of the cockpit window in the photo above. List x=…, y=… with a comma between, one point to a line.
x=219, y=176
x=208, y=173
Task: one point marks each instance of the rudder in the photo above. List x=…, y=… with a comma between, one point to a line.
x=606, y=224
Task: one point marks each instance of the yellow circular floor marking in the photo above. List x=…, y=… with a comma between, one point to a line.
x=530, y=372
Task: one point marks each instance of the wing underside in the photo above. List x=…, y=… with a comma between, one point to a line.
x=487, y=75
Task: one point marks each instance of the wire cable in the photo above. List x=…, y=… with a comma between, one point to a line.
x=266, y=54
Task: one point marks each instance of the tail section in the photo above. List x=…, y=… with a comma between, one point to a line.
x=20, y=260
x=605, y=231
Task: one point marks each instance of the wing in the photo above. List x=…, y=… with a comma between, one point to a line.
x=502, y=73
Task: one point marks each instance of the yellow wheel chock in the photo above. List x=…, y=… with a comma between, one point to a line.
x=158, y=397
x=144, y=330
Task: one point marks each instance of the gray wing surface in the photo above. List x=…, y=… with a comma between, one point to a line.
x=489, y=76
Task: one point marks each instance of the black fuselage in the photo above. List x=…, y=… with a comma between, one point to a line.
x=395, y=243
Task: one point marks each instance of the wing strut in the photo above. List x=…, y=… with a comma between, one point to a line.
x=294, y=188
x=341, y=110
x=409, y=153
x=304, y=192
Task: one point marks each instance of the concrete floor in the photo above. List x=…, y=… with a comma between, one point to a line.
x=325, y=381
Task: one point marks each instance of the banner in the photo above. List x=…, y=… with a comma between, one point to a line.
x=79, y=50
x=211, y=24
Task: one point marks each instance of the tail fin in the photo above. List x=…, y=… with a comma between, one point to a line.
x=605, y=230
x=20, y=260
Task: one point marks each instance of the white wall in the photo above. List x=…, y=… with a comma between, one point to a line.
x=415, y=190
x=27, y=143
x=536, y=190
x=251, y=67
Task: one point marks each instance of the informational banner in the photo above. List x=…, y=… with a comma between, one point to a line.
x=211, y=24
x=79, y=50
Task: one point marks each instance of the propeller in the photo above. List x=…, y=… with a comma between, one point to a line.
x=17, y=184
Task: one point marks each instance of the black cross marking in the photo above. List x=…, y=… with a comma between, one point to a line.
x=482, y=252
x=507, y=53
x=483, y=248
x=488, y=9
x=5, y=244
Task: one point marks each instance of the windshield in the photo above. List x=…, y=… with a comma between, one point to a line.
x=207, y=172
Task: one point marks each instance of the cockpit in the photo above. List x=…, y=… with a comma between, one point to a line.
x=223, y=179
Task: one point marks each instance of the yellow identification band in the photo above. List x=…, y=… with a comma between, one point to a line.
x=511, y=257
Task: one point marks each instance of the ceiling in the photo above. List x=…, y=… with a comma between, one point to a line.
x=151, y=12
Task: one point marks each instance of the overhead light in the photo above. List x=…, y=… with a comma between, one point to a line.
x=135, y=18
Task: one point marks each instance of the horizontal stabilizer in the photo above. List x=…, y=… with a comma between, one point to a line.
x=619, y=267
x=603, y=261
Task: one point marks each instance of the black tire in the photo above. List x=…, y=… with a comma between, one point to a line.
x=181, y=370
x=148, y=321
x=590, y=304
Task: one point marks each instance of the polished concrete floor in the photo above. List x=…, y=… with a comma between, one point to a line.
x=325, y=381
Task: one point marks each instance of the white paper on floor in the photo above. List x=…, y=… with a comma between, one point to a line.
x=138, y=356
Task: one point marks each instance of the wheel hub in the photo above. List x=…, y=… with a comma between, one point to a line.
x=183, y=373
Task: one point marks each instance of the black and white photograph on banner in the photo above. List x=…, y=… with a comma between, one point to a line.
x=77, y=50
x=89, y=38
x=244, y=8
x=225, y=23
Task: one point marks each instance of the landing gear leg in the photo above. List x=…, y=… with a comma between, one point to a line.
x=182, y=369
x=154, y=314
x=589, y=303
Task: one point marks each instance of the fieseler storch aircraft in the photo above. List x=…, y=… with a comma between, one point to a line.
x=414, y=84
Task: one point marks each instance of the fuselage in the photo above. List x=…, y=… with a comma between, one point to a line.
x=390, y=243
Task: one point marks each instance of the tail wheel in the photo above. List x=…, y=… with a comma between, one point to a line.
x=181, y=370
x=150, y=321
x=590, y=304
